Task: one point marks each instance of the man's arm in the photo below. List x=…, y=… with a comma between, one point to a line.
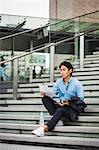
x=80, y=91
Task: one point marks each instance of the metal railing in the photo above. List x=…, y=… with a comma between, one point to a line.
x=42, y=48
x=52, y=53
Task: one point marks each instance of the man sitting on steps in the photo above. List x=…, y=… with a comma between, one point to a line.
x=66, y=88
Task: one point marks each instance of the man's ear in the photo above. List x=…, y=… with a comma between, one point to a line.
x=70, y=70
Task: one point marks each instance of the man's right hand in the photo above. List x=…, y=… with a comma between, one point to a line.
x=42, y=93
x=64, y=103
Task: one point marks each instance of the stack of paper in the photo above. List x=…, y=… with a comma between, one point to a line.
x=48, y=91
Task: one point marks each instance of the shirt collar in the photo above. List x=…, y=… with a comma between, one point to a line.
x=68, y=81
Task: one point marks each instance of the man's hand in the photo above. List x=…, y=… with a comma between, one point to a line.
x=42, y=93
x=64, y=103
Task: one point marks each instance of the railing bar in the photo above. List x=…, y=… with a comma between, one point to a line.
x=12, y=35
x=66, y=40
x=26, y=53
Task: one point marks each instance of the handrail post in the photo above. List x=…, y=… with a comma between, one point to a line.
x=82, y=51
x=76, y=48
x=52, y=62
x=76, y=40
x=15, y=79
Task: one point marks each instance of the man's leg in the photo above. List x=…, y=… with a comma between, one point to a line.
x=49, y=104
x=59, y=113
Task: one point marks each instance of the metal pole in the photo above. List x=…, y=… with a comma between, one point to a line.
x=31, y=69
x=52, y=62
x=76, y=40
x=15, y=79
x=76, y=48
x=82, y=50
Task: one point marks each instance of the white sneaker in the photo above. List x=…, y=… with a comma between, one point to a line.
x=39, y=131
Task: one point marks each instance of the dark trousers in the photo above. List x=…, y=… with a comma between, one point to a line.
x=54, y=109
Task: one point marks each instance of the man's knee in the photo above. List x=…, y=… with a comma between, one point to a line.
x=44, y=99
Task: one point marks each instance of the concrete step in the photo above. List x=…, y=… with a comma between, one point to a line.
x=91, y=65
x=59, y=130
x=91, y=73
x=30, y=127
x=18, y=106
x=90, y=82
x=6, y=96
x=41, y=80
x=24, y=90
x=23, y=108
x=82, y=78
x=90, y=59
x=81, y=70
x=88, y=65
x=92, y=101
x=96, y=53
x=38, y=101
x=91, y=94
x=86, y=73
x=29, y=85
x=33, y=86
x=88, y=93
x=6, y=146
x=34, y=101
x=36, y=117
x=87, y=61
x=28, y=109
x=86, y=77
x=85, y=69
x=31, y=90
x=80, y=73
x=58, y=141
x=92, y=56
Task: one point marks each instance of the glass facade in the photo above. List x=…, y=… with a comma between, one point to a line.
x=28, y=34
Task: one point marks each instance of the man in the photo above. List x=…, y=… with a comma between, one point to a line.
x=2, y=67
x=66, y=88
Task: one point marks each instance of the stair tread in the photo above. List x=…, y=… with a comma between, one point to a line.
x=81, y=141
x=6, y=146
x=81, y=129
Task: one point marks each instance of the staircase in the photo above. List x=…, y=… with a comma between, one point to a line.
x=19, y=117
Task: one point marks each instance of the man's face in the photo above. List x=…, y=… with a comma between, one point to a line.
x=65, y=72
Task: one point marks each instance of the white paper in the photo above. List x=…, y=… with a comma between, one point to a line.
x=48, y=91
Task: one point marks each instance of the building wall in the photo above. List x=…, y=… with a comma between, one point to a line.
x=81, y=7
x=65, y=9
x=60, y=9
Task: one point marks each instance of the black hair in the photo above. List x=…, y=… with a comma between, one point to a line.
x=68, y=65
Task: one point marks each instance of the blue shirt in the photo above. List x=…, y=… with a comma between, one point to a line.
x=68, y=90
